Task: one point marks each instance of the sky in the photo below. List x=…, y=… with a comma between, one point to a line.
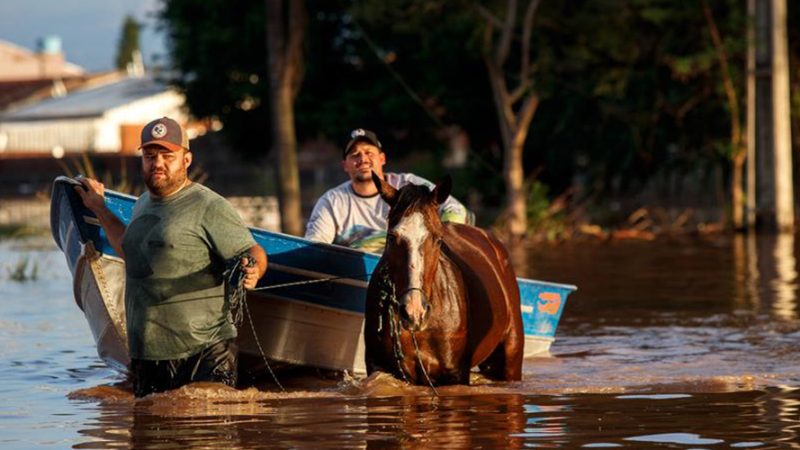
x=89, y=29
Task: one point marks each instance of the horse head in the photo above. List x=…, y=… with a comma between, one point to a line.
x=413, y=244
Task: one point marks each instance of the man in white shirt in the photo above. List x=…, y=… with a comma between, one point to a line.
x=353, y=214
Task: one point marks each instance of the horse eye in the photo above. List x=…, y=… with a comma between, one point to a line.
x=390, y=239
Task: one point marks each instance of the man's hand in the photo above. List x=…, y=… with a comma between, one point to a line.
x=250, y=278
x=92, y=194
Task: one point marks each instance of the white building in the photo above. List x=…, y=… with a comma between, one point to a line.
x=101, y=119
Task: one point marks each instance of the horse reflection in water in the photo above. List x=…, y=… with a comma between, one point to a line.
x=443, y=298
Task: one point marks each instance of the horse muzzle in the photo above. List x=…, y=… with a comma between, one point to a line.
x=414, y=309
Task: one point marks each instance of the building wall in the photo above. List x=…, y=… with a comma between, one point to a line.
x=21, y=64
x=73, y=135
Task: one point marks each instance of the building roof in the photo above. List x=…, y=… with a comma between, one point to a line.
x=90, y=102
x=20, y=63
x=20, y=92
x=14, y=91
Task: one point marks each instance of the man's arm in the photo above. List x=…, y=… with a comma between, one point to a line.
x=92, y=194
x=451, y=210
x=321, y=226
x=254, y=273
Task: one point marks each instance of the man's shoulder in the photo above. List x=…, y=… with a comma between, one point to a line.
x=204, y=194
x=343, y=190
x=399, y=180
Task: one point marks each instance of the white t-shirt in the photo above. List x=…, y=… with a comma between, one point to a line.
x=345, y=218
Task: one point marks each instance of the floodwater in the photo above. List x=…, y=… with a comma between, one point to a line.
x=671, y=344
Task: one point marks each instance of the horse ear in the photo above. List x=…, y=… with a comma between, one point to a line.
x=387, y=191
x=442, y=189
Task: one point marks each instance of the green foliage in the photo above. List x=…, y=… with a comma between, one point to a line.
x=218, y=53
x=24, y=270
x=543, y=217
x=629, y=90
x=19, y=231
x=538, y=204
x=128, y=42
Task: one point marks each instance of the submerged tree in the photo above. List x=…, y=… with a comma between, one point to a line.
x=738, y=147
x=285, y=36
x=515, y=96
x=219, y=51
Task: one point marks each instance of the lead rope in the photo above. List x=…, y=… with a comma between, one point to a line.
x=237, y=298
x=422, y=366
x=300, y=283
x=394, y=329
x=391, y=298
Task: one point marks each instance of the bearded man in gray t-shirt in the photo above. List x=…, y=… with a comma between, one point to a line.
x=175, y=249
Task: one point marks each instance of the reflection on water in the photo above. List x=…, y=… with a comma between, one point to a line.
x=766, y=272
x=767, y=419
x=784, y=285
x=679, y=344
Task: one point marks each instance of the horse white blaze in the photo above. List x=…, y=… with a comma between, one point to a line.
x=412, y=230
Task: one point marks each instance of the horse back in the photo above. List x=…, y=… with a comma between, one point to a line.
x=491, y=284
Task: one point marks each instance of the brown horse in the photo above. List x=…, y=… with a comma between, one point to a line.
x=443, y=297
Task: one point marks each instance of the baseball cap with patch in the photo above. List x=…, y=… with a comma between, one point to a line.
x=166, y=133
x=361, y=135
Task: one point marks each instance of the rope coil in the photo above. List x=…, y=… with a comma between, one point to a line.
x=237, y=299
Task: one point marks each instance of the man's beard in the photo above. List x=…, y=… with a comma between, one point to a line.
x=166, y=185
x=364, y=176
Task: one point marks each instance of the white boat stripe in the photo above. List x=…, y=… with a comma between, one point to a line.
x=91, y=220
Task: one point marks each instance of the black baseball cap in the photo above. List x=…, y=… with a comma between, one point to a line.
x=361, y=135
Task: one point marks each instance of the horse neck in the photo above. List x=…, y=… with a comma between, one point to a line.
x=447, y=282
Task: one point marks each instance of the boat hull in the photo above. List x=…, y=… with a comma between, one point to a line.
x=310, y=310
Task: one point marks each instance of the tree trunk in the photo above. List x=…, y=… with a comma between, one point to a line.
x=774, y=188
x=514, y=125
x=784, y=188
x=738, y=151
x=284, y=45
x=737, y=192
x=751, y=116
x=514, y=175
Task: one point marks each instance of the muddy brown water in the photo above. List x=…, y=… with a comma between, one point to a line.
x=669, y=344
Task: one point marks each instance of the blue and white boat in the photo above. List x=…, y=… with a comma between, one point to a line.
x=317, y=324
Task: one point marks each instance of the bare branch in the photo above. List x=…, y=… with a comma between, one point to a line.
x=527, y=111
x=294, y=48
x=520, y=90
x=527, y=29
x=507, y=32
x=275, y=41
x=490, y=18
x=505, y=113
x=727, y=82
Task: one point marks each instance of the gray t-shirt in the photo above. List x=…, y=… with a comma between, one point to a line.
x=345, y=218
x=175, y=252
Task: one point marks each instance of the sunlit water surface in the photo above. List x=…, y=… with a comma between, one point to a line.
x=675, y=344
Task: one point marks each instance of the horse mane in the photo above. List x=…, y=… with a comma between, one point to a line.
x=410, y=197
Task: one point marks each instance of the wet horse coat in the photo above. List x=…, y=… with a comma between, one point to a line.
x=449, y=287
